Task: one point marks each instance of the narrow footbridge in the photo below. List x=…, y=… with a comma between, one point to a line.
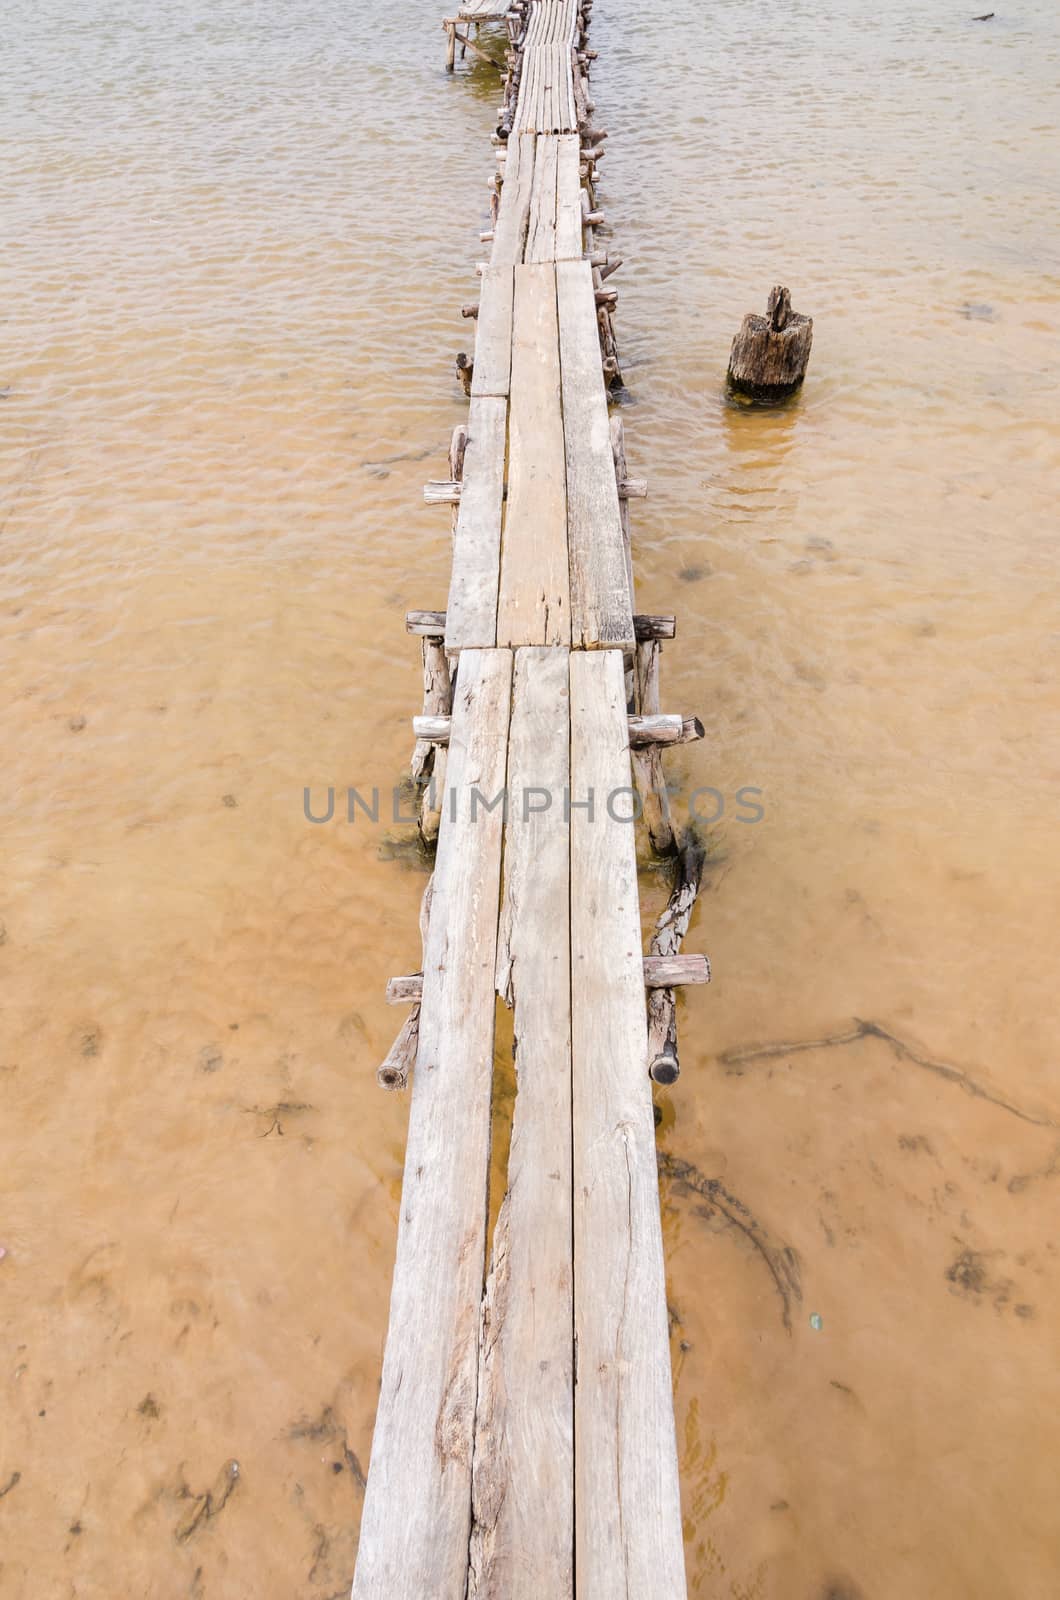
x=524, y=1445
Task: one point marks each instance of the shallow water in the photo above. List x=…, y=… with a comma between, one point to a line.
x=237, y=239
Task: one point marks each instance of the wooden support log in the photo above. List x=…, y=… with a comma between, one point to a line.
x=661, y=729
x=654, y=627
x=770, y=354
x=401, y=1057
x=437, y=697
x=664, y=1065
x=450, y=45
x=660, y=972
x=664, y=972
x=467, y=43
x=465, y=370
x=647, y=763
x=441, y=492
x=431, y=624
x=447, y=491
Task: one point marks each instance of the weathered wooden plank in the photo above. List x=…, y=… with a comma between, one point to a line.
x=527, y=89
x=493, y=340
x=601, y=608
x=627, y=1498
x=541, y=235
x=534, y=606
x=522, y=1533
x=416, y=1521
x=509, y=236
x=471, y=615
x=568, y=199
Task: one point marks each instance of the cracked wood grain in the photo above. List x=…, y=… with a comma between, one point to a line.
x=627, y=1501
x=522, y=1532
x=416, y=1522
x=534, y=605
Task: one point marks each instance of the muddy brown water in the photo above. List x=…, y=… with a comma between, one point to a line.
x=236, y=241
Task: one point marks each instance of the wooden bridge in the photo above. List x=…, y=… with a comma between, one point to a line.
x=524, y=1445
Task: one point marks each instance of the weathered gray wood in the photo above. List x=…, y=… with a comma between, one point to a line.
x=770, y=354
x=647, y=763
x=568, y=199
x=522, y=1533
x=645, y=626
x=534, y=603
x=437, y=699
x=660, y=971
x=493, y=340
x=401, y=1057
x=668, y=972
x=405, y=990
x=601, y=608
x=433, y=729
x=428, y=761
x=471, y=615
x=664, y=1064
x=416, y=1519
x=627, y=1498
x=541, y=236
x=441, y=492
x=509, y=236
x=428, y=624
x=649, y=627
x=664, y=729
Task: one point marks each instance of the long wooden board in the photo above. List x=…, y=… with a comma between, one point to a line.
x=509, y=234
x=627, y=1497
x=471, y=614
x=601, y=606
x=416, y=1521
x=541, y=235
x=568, y=198
x=534, y=605
x=493, y=338
x=522, y=1535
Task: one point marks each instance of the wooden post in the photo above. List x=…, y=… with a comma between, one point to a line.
x=664, y=1066
x=394, y=1072
x=450, y=49
x=769, y=354
x=647, y=763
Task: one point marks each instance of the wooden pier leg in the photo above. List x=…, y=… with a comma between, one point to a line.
x=664, y=1065
x=417, y=1506
x=437, y=701
x=627, y=1498
x=401, y=1057
x=522, y=1531
x=647, y=763
x=450, y=51
x=770, y=354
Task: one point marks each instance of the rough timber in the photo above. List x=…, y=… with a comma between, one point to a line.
x=524, y=1443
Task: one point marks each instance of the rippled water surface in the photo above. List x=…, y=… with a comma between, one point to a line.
x=236, y=241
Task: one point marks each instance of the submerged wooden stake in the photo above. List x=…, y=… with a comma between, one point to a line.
x=769, y=354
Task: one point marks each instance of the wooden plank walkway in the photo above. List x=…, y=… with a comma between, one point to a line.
x=524, y=1445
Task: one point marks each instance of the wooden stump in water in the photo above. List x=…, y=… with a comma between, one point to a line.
x=769, y=354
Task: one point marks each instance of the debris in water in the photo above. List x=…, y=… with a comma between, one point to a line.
x=816, y=1321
